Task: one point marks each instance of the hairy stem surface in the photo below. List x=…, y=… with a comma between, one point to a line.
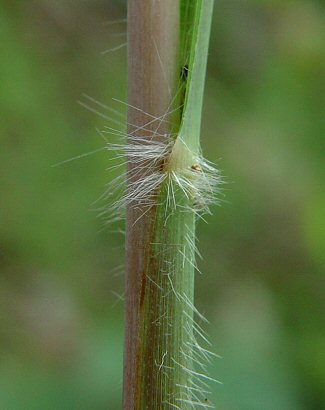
x=166, y=190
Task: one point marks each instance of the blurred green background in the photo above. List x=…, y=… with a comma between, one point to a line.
x=61, y=317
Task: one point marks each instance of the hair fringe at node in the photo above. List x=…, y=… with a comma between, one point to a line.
x=156, y=163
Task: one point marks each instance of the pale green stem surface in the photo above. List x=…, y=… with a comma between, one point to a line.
x=159, y=365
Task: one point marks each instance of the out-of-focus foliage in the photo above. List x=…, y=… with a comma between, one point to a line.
x=61, y=322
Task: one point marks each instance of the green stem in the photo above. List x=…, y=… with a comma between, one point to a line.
x=160, y=341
